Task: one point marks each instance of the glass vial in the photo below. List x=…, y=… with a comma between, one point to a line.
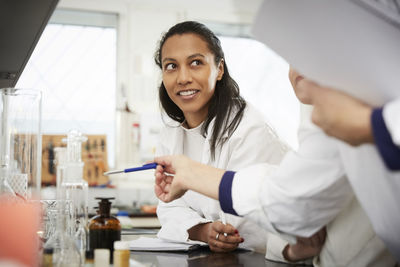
x=47, y=259
x=121, y=254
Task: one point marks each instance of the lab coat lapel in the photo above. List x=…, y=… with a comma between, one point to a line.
x=206, y=156
x=178, y=142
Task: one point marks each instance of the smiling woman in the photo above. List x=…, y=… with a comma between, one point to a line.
x=213, y=125
x=192, y=61
x=190, y=75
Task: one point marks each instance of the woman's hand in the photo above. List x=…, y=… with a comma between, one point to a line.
x=218, y=242
x=305, y=247
x=169, y=174
x=213, y=234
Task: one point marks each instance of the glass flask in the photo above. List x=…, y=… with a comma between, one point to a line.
x=20, y=142
x=68, y=254
x=76, y=190
x=53, y=243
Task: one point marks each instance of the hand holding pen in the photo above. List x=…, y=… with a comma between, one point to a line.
x=223, y=220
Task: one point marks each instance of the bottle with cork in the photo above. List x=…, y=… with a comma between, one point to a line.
x=104, y=229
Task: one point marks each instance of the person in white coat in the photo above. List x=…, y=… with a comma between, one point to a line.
x=307, y=191
x=355, y=122
x=212, y=123
x=371, y=154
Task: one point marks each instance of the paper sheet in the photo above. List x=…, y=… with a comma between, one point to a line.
x=156, y=244
x=351, y=45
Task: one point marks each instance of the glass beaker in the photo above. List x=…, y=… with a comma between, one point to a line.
x=20, y=141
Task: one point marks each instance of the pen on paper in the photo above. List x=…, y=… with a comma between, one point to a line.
x=223, y=219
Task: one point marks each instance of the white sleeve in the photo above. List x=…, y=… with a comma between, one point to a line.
x=303, y=194
x=176, y=217
x=275, y=247
x=391, y=116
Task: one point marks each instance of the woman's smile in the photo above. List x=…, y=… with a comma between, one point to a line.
x=188, y=94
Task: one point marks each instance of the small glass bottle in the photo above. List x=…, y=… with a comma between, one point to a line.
x=104, y=229
x=121, y=254
x=89, y=258
x=47, y=260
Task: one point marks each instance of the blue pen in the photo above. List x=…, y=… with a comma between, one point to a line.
x=144, y=167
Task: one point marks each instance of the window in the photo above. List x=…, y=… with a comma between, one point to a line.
x=74, y=65
x=262, y=76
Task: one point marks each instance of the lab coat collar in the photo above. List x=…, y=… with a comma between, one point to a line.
x=206, y=153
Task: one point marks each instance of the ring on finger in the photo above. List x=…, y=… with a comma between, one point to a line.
x=216, y=237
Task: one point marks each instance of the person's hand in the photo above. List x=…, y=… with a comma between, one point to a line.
x=169, y=174
x=336, y=113
x=177, y=174
x=216, y=239
x=305, y=247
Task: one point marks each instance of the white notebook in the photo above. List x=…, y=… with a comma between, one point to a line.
x=156, y=244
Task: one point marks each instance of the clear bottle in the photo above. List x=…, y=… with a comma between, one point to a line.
x=66, y=253
x=53, y=244
x=104, y=229
x=69, y=254
x=76, y=189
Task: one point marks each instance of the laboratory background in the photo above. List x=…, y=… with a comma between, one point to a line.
x=86, y=101
x=94, y=65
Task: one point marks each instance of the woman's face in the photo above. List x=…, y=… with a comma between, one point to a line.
x=190, y=74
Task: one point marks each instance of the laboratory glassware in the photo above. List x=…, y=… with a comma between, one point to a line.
x=68, y=254
x=20, y=142
x=104, y=229
x=76, y=189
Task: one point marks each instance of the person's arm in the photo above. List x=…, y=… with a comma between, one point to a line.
x=350, y=120
x=187, y=174
x=308, y=190
x=336, y=113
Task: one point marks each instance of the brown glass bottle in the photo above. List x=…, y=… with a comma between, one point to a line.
x=104, y=229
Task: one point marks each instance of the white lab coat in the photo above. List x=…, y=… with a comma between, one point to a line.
x=252, y=142
x=391, y=115
x=309, y=189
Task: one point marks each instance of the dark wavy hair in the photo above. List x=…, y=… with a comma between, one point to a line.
x=226, y=99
